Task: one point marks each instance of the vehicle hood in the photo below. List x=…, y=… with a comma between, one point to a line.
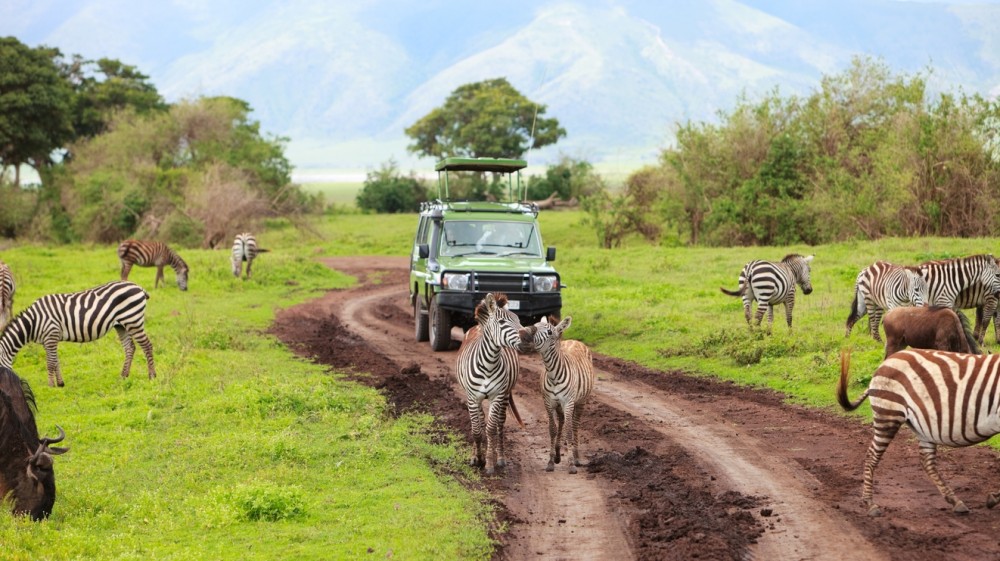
x=494, y=263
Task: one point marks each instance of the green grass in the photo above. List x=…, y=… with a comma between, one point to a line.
x=238, y=449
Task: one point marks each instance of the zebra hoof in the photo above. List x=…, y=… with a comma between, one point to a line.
x=874, y=511
x=501, y=463
x=60, y=383
x=572, y=468
x=960, y=508
x=992, y=500
x=550, y=467
x=490, y=471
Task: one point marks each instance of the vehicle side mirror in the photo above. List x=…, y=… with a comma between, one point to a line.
x=550, y=254
x=424, y=251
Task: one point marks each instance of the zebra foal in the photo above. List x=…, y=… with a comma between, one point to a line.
x=80, y=317
x=566, y=383
x=244, y=249
x=487, y=370
x=146, y=253
x=879, y=288
x=770, y=284
x=950, y=399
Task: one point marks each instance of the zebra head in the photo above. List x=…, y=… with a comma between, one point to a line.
x=182, y=277
x=917, y=289
x=800, y=267
x=497, y=323
x=544, y=335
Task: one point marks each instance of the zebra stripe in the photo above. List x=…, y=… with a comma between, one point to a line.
x=146, y=253
x=950, y=399
x=977, y=275
x=80, y=317
x=770, y=284
x=244, y=249
x=978, y=297
x=7, y=289
x=881, y=287
x=487, y=370
x=566, y=384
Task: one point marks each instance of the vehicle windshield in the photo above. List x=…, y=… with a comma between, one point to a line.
x=466, y=237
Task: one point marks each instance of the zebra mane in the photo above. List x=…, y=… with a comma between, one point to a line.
x=790, y=257
x=480, y=311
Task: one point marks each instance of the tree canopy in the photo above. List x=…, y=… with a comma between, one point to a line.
x=484, y=119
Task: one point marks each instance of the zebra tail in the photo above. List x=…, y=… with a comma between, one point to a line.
x=262, y=250
x=842, y=399
x=970, y=337
x=856, y=312
x=733, y=292
x=513, y=409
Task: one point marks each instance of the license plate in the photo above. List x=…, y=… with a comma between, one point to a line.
x=513, y=305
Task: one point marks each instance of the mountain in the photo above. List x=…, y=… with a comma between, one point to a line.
x=342, y=80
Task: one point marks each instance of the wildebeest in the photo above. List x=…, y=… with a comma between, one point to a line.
x=25, y=460
x=934, y=327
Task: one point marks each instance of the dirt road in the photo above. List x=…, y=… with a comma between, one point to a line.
x=679, y=467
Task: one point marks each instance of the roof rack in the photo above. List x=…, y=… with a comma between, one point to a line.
x=519, y=207
x=516, y=189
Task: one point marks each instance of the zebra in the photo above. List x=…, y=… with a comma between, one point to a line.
x=950, y=399
x=978, y=297
x=487, y=369
x=978, y=276
x=7, y=289
x=245, y=249
x=146, y=253
x=772, y=283
x=80, y=317
x=881, y=287
x=566, y=383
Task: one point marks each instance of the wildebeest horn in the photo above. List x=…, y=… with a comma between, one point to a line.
x=62, y=434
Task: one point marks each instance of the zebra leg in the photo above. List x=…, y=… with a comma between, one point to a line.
x=874, y=318
x=928, y=457
x=570, y=415
x=789, y=305
x=498, y=408
x=159, y=277
x=577, y=414
x=52, y=361
x=476, y=418
x=885, y=431
x=249, y=263
x=126, y=268
x=139, y=335
x=746, y=310
x=129, y=347
x=501, y=447
x=551, y=409
x=759, y=316
x=770, y=318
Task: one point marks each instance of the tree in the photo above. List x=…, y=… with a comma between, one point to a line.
x=103, y=87
x=35, y=106
x=388, y=190
x=484, y=119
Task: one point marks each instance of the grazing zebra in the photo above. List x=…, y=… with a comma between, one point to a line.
x=772, y=283
x=881, y=287
x=487, y=369
x=80, y=317
x=977, y=275
x=152, y=254
x=245, y=249
x=7, y=289
x=950, y=399
x=566, y=383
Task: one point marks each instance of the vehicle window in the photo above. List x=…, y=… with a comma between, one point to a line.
x=422, y=230
x=496, y=238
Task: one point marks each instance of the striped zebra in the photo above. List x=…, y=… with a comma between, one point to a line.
x=566, y=384
x=950, y=399
x=881, y=287
x=244, y=249
x=978, y=297
x=7, y=289
x=977, y=275
x=487, y=370
x=772, y=283
x=80, y=317
x=146, y=253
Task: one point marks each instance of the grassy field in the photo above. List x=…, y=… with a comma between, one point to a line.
x=238, y=449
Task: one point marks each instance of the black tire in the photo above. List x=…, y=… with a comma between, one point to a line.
x=420, y=330
x=439, y=324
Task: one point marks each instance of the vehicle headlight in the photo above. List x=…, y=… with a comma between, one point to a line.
x=455, y=281
x=545, y=283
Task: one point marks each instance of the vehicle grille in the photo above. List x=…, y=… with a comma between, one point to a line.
x=501, y=282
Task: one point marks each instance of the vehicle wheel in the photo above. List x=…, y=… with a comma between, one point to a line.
x=439, y=322
x=419, y=320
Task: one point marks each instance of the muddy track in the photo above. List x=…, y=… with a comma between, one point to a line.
x=679, y=467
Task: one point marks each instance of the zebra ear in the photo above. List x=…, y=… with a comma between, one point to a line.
x=491, y=304
x=563, y=325
x=809, y=258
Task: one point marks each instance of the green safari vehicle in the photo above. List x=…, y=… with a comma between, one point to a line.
x=463, y=250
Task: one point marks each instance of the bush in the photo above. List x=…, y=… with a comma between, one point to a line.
x=386, y=190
